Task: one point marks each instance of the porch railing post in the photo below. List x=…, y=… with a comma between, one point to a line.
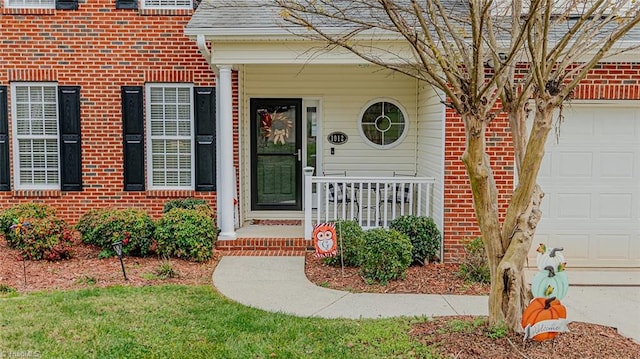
x=308, y=206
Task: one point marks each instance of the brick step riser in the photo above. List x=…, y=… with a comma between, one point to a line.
x=264, y=244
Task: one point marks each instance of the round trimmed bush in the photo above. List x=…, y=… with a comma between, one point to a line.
x=350, y=236
x=103, y=227
x=424, y=235
x=187, y=233
x=37, y=232
x=385, y=255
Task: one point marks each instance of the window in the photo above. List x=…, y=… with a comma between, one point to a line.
x=34, y=4
x=383, y=123
x=170, y=141
x=35, y=144
x=167, y=4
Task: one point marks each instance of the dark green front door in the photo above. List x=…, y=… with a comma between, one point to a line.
x=276, y=158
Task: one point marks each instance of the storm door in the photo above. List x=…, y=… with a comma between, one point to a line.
x=276, y=154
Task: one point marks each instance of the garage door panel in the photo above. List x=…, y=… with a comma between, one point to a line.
x=591, y=180
x=574, y=164
x=576, y=246
x=574, y=206
x=617, y=164
x=589, y=249
x=621, y=126
x=612, y=246
x=613, y=206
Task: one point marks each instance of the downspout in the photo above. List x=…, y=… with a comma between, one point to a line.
x=204, y=50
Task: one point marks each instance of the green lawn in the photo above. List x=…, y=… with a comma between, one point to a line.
x=185, y=322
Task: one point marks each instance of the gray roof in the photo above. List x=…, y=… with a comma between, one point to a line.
x=238, y=14
x=262, y=18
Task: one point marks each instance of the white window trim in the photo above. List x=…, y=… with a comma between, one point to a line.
x=400, y=139
x=149, y=152
x=14, y=142
x=8, y=5
x=143, y=5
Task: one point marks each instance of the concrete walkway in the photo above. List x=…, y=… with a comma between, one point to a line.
x=278, y=284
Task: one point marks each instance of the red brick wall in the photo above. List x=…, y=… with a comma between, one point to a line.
x=606, y=82
x=100, y=49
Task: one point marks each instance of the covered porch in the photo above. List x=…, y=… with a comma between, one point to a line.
x=369, y=166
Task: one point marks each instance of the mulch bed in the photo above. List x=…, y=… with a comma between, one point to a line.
x=584, y=340
x=85, y=270
x=433, y=278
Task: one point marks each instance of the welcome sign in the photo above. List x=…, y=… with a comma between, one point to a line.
x=546, y=326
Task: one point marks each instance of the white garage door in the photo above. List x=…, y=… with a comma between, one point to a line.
x=592, y=183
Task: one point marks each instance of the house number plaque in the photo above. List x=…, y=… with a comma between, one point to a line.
x=337, y=138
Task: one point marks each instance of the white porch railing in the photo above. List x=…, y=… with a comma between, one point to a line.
x=372, y=201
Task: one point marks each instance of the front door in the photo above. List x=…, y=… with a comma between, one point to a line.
x=276, y=154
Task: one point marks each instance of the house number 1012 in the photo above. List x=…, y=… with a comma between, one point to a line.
x=337, y=138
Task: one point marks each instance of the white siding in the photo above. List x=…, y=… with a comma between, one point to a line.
x=430, y=149
x=344, y=90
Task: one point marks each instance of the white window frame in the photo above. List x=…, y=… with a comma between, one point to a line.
x=158, y=4
x=402, y=136
x=30, y=4
x=17, y=137
x=151, y=137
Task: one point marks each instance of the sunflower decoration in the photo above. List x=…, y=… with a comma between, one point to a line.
x=280, y=127
x=275, y=126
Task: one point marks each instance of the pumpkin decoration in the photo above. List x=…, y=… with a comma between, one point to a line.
x=543, y=309
x=549, y=282
x=548, y=257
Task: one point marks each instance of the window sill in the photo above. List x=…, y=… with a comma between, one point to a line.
x=165, y=12
x=178, y=193
x=27, y=11
x=28, y=193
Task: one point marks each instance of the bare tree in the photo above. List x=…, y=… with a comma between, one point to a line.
x=485, y=57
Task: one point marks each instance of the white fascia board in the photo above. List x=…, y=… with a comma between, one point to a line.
x=281, y=33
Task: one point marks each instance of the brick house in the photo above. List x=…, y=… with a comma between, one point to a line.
x=74, y=77
x=282, y=107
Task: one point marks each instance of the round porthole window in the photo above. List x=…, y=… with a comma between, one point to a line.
x=383, y=123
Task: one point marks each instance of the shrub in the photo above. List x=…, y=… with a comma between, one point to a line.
x=350, y=237
x=424, y=235
x=474, y=267
x=103, y=227
x=187, y=233
x=37, y=232
x=385, y=255
x=186, y=203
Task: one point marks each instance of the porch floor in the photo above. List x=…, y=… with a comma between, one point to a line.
x=266, y=240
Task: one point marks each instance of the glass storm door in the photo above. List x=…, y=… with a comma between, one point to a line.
x=276, y=154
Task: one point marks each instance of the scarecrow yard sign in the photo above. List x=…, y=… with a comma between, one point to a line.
x=324, y=240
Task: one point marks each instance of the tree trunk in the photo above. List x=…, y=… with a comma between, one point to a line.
x=507, y=246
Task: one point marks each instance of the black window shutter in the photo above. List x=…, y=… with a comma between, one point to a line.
x=70, y=144
x=5, y=178
x=67, y=4
x=126, y=4
x=133, y=127
x=205, y=123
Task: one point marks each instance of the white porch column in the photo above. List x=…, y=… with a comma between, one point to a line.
x=225, y=189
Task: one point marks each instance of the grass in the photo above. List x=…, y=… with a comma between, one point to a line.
x=172, y=321
x=7, y=291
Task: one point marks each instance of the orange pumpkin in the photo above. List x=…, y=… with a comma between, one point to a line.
x=540, y=309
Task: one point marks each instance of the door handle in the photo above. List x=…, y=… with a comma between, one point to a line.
x=299, y=154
